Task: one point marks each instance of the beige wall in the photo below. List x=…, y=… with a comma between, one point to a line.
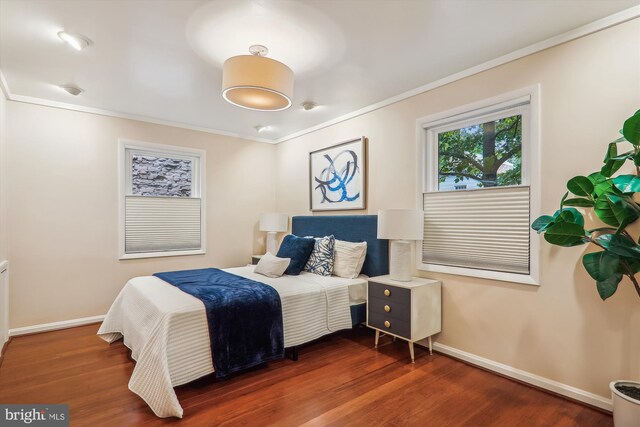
x=560, y=330
x=3, y=197
x=63, y=221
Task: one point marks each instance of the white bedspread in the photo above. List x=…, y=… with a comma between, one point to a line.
x=167, y=332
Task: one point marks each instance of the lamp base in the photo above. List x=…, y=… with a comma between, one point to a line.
x=400, y=265
x=272, y=242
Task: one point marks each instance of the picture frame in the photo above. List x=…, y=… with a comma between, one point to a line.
x=337, y=176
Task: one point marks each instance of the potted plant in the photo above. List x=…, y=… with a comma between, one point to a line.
x=613, y=201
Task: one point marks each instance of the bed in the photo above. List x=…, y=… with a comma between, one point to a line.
x=167, y=331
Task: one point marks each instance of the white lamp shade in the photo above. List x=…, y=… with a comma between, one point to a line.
x=272, y=221
x=400, y=224
x=257, y=83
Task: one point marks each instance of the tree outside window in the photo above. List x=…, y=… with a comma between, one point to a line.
x=482, y=155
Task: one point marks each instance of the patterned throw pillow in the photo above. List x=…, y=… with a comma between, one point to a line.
x=321, y=258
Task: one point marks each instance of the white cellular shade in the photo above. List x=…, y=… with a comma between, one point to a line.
x=160, y=224
x=272, y=221
x=400, y=224
x=484, y=229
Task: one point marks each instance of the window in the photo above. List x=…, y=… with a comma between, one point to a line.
x=162, y=208
x=477, y=191
x=480, y=155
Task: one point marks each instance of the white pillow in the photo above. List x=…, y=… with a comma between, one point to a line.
x=272, y=266
x=348, y=258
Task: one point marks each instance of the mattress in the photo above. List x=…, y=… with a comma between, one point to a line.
x=167, y=332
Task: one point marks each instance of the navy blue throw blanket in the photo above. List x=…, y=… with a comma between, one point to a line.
x=244, y=317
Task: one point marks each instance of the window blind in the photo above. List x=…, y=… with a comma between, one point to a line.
x=162, y=224
x=484, y=229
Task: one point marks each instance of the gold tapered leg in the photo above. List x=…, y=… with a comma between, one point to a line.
x=430, y=347
x=377, y=338
x=413, y=358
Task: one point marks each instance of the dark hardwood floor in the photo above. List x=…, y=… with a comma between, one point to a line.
x=339, y=380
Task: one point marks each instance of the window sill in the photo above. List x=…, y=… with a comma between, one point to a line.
x=525, y=279
x=161, y=254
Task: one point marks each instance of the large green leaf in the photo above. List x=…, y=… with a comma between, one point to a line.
x=613, y=212
x=542, y=223
x=628, y=265
x=608, y=287
x=625, y=210
x=604, y=210
x=636, y=158
x=631, y=129
x=625, y=156
x=612, y=151
x=634, y=264
x=580, y=186
x=597, y=178
x=579, y=202
x=611, y=167
x=569, y=215
x=565, y=234
x=619, y=245
x=626, y=202
x=627, y=183
x=601, y=265
x=603, y=187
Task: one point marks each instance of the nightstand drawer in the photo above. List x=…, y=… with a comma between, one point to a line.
x=390, y=324
x=390, y=308
x=390, y=293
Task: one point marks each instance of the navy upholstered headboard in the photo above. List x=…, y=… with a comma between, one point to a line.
x=352, y=228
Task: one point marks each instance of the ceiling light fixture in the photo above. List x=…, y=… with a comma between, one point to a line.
x=261, y=128
x=71, y=89
x=257, y=82
x=76, y=41
x=308, y=105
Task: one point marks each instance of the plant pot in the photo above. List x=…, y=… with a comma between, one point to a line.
x=626, y=410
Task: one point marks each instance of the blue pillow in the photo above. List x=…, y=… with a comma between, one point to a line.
x=321, y=259
x=298, y=249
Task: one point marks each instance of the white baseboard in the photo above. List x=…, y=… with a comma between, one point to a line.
x=508, y=371
x=46, y=327
x=527, y=377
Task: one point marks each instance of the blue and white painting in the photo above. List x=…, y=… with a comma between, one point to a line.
x=337, y=176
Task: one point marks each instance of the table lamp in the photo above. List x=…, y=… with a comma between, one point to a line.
x=273, y=223
x=400, y=226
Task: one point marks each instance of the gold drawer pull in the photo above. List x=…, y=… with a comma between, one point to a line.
x=387, y=323
x=387, y=308
x=387, y=292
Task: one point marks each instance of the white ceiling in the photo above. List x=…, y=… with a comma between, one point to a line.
x=162, y=60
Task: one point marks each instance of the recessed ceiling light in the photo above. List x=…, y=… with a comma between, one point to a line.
x=308, y=105
x=72, y=90
x=76, y=41
x=261, y=128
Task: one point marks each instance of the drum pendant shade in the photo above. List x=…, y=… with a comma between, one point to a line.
x=257, y=83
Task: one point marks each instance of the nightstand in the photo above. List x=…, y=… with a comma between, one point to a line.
x=255, y=259
x=408, y=310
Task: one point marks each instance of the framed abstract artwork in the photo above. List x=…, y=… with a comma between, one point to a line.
x=337, y=176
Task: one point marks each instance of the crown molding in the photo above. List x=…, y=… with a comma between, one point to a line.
x=593, y=27
x=65, y=106
x=585, y=30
